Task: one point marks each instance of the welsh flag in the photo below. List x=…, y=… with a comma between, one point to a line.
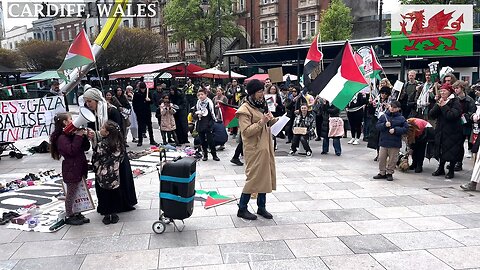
x=377, y=68
x=228, y=115
x=78, y=55
x=425, y=30
x=212, y=198
x=312, y=61
x=341, y=80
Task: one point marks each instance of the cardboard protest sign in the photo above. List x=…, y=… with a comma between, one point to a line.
x=275, y=74
x=28, y=118
x=82, y=198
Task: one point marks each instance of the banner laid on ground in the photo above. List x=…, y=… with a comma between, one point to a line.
x=423, y=30
x=28, y=118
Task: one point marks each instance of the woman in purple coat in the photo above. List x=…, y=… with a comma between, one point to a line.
x=72, y=148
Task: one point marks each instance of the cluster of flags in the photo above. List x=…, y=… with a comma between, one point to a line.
x=23, y=88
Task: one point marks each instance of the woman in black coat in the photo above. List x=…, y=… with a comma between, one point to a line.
x=123, y=198
x=178, y=99
x=448, y=131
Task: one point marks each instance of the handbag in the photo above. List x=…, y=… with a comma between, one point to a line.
x=300, y=130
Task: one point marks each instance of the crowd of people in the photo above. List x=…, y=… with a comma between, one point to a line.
x=430, y=119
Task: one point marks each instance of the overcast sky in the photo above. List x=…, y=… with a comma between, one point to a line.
x=388, y=6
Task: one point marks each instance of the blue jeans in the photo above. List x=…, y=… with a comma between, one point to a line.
x=336, y=145
x=245, y=198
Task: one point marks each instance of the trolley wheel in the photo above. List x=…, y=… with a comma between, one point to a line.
x=158, y=227
x=19, y=155
x=167, y=221
x=11, y=154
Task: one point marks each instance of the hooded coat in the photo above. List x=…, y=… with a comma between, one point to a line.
x=257, y=150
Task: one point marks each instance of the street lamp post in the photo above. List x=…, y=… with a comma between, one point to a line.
x=380, y=19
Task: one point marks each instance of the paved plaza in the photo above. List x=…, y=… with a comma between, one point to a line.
x=328, y=214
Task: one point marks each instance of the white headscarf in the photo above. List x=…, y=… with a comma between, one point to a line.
x=102, y=108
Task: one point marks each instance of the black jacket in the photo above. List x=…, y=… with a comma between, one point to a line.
x=140, y=105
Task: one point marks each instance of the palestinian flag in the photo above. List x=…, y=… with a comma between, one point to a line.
x=359, y=60
x=9, y=91
x=24, y=88
x=78, y=55
x=341, y=80
x=228, y=115
x=426, y=30
x=312, y=61
x=377, y=68
x=212, y=198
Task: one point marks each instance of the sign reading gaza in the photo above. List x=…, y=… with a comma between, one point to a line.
x=28, y=118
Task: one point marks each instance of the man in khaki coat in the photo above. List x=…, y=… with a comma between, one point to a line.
x=255, y=121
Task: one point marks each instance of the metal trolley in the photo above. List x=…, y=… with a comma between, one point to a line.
x=176, y=191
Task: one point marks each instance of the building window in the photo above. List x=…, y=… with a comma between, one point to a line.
x=172, y=46
x=92, y=32
x=241, y=5
x=307, y=26
x=63, y=35
x=126, y=23
x=191, y=45
x=269, y=31
x=77, y=29
x=265, y=2
x=70, y=36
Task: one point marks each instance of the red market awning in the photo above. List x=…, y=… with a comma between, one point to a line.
x=260, y=77
x=177, y=69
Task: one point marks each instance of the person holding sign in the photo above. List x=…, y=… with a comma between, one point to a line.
x=72, y=148
x=303, y=130
x=255, y=121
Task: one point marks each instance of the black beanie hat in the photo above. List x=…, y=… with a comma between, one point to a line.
x=253, y=86
x=385, y=90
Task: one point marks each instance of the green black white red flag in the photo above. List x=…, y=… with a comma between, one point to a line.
x=423, y=30
x=377, y=67
x=341, y=80
x=312, y=61
x=228, y=115
x=79, y=54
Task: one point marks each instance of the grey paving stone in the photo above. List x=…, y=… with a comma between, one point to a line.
x=282, y=232
x=393, y=212
x=300, y=217
x=318, y=247
x=306, y=187
x=8, y=249
x=352, y=262
x=47, y=249
x=357, y=203
x=94, y=230
x=207, y=223
x=255, y=251
x=343, y=185
x=8, y=265
x=401, y=191
x=292, y=196
x=138, y=215
x=136, y=227
x=474, y=208
x=226, y=236
x=114, y=244
x=397, y=201
x=410, y=260
x=316, y=205
x=25, y=236
x=422, y=240
x=279, y=207
x=189, y=256
x=332, y=229
x=232, y=266
x=298, y=264
x=7, y=235
x=371, y=192
x=436, y=199
x=458, y=258
x=321, y=179
x=145, y=259
x=368, y=243
x=50, y=263
x=469, y=237
x=173, y=239
x=468, y=220
x=330, y=194
x=259, y=222
x=381, y=226
x=432, y=223
x=438, y=210
x=348, y=215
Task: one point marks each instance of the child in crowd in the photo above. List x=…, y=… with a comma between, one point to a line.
x=72, y=148
x=303, y=130
x=205, y=117
x=167, y=124
x=391, y=125
x=106, y=163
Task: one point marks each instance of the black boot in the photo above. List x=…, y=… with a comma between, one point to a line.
x=205, y=156
x=264, y=213
x=440, y=171
x=214, y=156
x=244, y=213
x=458, y=166
x=450, y=173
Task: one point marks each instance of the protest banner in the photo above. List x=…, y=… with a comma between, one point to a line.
x=28, y=118
x=82, y=199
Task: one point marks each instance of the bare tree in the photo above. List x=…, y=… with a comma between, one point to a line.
x=9, y=58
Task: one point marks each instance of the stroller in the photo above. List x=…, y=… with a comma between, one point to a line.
x=177, y=191
x=14, y=151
